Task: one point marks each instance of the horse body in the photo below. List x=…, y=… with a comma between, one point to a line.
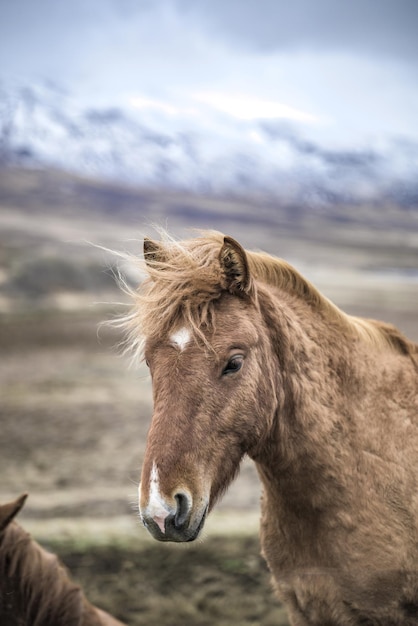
x=35, y=589
x=340, y=513
x=248, y=358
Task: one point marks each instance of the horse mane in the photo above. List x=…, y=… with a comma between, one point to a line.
x=277, y=272
x=185, y=278
x=39, y=580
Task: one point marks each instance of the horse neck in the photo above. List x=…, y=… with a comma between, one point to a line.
x=318, y=373
x=35, y=588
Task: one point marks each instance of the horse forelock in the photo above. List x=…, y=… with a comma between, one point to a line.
x=179, y=290
x=37, y=581
x=184, y=283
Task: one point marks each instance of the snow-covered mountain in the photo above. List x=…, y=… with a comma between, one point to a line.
x=43, y=125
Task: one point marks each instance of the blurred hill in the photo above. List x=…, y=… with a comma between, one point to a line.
x=42, y=125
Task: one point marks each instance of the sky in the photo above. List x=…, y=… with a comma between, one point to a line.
x=344, y=73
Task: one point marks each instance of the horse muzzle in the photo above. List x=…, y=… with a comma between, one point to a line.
x=179, y=522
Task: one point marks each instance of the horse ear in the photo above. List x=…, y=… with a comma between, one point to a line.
x=153, y=252
x=234, y=262
x=10, y=510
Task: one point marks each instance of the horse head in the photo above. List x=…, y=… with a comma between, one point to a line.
x=212, y=370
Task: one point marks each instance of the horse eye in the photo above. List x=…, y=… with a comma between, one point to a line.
x=233, y=365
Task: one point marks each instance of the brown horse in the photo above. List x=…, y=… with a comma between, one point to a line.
x=35, y=589
x=247, y=357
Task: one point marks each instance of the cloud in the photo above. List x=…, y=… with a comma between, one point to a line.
x=385, y=28
x=244, y=107
x=141, y=103
x=345, y=71
x=120, y=35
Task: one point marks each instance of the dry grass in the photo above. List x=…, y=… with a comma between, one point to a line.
x=221, y=581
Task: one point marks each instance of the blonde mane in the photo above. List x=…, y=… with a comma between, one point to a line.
x=185, y=278
x=277, y=272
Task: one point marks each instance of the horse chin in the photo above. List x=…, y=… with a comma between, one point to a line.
x=175, y=534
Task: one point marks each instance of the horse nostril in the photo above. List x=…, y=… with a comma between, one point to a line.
x=183, y=509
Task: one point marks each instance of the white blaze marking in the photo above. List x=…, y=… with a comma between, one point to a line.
x=157, y=508
x=181, y=338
